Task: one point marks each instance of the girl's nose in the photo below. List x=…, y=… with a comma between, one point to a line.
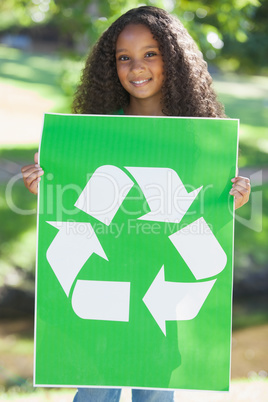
x=137, y=65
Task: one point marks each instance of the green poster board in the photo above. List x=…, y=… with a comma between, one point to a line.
x=135, y=252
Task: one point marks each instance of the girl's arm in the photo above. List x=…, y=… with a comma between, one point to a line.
x=240, y=190
x=31, y=175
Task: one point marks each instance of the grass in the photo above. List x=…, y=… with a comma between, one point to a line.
x=61, y=395
x=252, y=387
x=34, y=71
x=245, y=98
x=17, y=238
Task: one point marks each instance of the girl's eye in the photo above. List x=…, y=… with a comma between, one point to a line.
x=123, y=58
x=150, y=54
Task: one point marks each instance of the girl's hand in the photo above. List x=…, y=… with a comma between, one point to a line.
x=32, y=175
x=240, y=190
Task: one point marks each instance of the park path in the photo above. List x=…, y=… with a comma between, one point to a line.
x=21, y=115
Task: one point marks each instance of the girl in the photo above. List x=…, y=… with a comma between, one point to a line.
x=145, y=64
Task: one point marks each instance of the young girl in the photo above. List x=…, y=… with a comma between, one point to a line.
x=145, y=64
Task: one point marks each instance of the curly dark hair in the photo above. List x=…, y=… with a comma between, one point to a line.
x=186, y=87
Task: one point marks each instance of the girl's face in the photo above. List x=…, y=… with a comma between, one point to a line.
x=139, y=63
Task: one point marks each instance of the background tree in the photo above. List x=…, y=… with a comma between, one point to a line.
x=232, y=34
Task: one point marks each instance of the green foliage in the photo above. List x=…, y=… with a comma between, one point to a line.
x=232, y=33
x=241, y=34
x=24, y=13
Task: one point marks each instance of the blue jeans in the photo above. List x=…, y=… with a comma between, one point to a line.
x=113, y=395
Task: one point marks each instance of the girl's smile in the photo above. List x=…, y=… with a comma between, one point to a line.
x=140, y=83
x=140, y=66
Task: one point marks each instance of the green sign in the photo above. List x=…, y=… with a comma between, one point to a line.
x=135, y=252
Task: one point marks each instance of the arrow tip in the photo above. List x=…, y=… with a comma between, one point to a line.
x=97, y=245
x=194, y=193
x=154, y=303
x=57, y=225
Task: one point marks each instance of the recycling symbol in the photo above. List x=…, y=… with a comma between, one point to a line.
x=107, y=300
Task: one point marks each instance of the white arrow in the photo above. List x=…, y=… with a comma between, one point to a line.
x=104, y=193
x=169, y=301
x=200, y=249
x=101, y=300
x=70, y=249
x=165, y=193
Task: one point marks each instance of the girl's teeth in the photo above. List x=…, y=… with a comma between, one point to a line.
x=140, y=82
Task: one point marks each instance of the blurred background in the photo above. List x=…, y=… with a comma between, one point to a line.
x=43, y=45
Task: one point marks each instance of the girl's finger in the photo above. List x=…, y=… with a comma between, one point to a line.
x=29, y=179
x=241, y=196
x=240, y=193
x=36, y=157
x=239, y=201
x=33, y=188
x=33, y=176
x=242, y=183
x=31, y=169
x=242, y=189
x=31, y=183
x=27, y=167
x=241, y=179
